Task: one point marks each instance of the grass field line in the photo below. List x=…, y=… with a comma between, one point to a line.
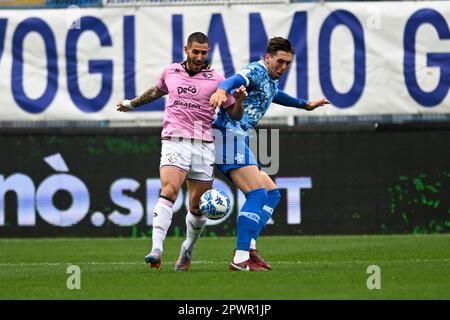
x=18, y=264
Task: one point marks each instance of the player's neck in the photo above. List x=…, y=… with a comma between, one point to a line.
x=266, y=65
x=190, y=72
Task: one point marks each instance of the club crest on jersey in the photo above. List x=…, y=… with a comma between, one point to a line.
x=207, y=75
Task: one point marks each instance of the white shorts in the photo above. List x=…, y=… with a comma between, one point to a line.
x=196, y=158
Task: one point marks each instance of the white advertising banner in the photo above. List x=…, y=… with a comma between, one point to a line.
x=366, y=58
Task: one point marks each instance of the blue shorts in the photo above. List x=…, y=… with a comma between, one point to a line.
x=233, y=152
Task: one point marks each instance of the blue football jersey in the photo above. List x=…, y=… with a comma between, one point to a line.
x=261, y=91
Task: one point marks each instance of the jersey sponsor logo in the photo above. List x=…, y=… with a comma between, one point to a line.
x=182, y=104
x=253, y=113
x=188, y=89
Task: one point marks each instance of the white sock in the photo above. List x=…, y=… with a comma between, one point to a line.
x=253, y=244
x=162, y=218
x=241, y=256
x=194, y=228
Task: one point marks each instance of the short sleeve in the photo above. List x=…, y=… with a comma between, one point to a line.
x=230, y=101
x=248, y=73
x=161, y=83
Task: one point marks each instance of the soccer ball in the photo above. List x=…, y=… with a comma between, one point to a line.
x=215, y=204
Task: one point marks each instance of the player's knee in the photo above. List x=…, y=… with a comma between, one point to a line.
x=170, y=191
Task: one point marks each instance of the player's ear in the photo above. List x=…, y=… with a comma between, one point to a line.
x=186, y=49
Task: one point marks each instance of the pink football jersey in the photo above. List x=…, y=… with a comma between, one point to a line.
x=188, y=113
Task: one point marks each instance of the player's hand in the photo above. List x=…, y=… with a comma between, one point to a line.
x=124, y=106
x=240, y=94
x=315, y=104
x=218, y=98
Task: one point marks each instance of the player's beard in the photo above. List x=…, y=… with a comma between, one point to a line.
x=195, y=65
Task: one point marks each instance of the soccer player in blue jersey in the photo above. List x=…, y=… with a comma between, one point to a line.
x=262, y=196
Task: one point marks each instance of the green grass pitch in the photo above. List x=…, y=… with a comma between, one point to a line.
x=304, y=267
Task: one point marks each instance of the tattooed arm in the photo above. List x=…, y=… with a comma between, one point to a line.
x=148, y=96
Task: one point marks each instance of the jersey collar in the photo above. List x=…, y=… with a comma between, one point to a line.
x=206, y=67
x=261, y=62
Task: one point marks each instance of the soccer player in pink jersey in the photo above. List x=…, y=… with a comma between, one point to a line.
x=187, y=151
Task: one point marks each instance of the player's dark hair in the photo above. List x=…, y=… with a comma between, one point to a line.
x=279, y=44
x=198, y=37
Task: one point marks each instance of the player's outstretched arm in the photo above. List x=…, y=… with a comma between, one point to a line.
x=148, y=96
x=236, y=111
x=284, y=99
x=227, y=85
x=311, y=105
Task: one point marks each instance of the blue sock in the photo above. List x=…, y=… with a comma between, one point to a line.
x=249, y=217
x=273, y=198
